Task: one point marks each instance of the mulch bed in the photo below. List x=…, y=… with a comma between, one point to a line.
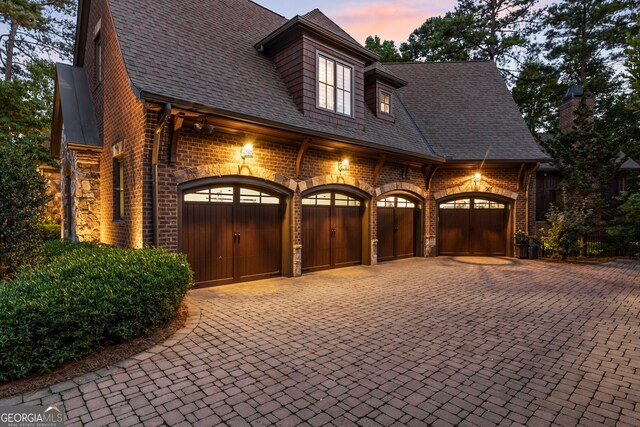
x=102, y=358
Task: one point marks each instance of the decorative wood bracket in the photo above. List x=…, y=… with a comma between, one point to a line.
x=378, y=168
x=428, y=171
x=176, y=129
x=301, y=152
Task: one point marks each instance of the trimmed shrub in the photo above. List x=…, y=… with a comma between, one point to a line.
x=85, y=298
x=22, y=203
x=568, y=226
x=51, y=232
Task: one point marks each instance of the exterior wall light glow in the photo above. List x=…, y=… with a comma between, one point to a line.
x=247, y=151
x=476, y=177
x=343, y=166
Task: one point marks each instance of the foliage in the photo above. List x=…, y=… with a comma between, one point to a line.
x=386, y=49
x=477, y=29
x=537, y=92
x=521, y=237
x=22, y=202
x=50, y=231
x=438, y=39
x=25, y=118
x=588, y=158
x=36, y=29
x=584, y=40
x=568, y=226
x=633, y=66
x=626, y=223
x=84, y=299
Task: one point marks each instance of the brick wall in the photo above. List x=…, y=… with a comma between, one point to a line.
x=120, y=122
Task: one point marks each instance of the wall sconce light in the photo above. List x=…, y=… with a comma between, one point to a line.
x=247, y=151
x=476, y=177
x=343, y=166
x=197, y=126
x=209, y=128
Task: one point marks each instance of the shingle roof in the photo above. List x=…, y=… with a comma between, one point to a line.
x=466, y=111
x=319, y=18
x=204, y=55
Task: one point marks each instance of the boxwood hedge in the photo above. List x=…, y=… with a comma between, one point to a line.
x=84, y=298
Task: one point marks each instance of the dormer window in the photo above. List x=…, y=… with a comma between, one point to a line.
x=385, y=102
x=335, y=85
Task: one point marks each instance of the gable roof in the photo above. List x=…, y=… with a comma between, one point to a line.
x=74, y=119
x=191, y=64
x=465, y=111
x=319, y=18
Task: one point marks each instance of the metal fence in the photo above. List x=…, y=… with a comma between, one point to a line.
x=593, y=246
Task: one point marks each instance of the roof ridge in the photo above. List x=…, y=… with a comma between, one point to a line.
x=438, y=62
x=267, y=9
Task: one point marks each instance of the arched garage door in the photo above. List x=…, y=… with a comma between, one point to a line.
x=472, y=226
x=331, y=231
x=397, y=218
x=232, y=233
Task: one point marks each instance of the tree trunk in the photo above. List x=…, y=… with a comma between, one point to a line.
x=8, y=73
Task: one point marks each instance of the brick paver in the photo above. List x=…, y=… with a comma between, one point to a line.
x=464, y=341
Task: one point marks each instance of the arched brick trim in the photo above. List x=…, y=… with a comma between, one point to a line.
x=226, y=169
x=400, y=186
x=475, y=188
x=317, y=181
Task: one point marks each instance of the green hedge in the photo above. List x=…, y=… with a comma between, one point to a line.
x=51, y=231
x=86, y=297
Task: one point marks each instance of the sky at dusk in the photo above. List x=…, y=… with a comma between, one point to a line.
x=389, y=19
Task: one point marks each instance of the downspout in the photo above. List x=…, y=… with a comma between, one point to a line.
x=526, y=198
x=164, y=117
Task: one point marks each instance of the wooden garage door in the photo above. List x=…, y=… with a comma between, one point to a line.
x=396, y=228
x=472, y=226
x=232, y=234
x=331, y=231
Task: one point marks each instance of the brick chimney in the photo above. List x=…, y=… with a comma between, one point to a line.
x=570, y=102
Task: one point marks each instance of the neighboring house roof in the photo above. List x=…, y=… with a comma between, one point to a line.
x=466, y=111
x=211, y=62
x=75, y=119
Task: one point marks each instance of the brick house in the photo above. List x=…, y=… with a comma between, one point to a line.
x=262, y=146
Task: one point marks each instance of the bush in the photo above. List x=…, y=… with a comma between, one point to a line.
x=626, y=224
x=568, y=225
x=86, y=297
x=50, y=232
x=22, y=203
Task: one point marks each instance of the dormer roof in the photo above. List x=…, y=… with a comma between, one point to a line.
x=379, y=72
x=321, y=27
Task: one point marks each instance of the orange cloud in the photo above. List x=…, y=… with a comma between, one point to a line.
x=391, y=20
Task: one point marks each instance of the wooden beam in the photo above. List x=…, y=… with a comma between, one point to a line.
x=378, y=168
x=301, y=152
x=178, y=121
x=428, y=171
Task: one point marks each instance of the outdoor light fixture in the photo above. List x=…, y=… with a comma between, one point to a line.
x=197, y=126
x=247, y=151
x=343, y=166
x=209, y=128
x=476, y=177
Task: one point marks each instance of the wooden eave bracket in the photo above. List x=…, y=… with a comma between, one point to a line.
x=301, y=152
x=428, y=171
x=378, y=168
x=176, y=129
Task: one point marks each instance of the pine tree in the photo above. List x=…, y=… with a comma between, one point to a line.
x=537, y=91
x=386, y=49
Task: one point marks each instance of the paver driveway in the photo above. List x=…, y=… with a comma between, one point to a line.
x=465, y=341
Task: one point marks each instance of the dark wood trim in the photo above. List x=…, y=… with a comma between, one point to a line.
x=176, y=129
x=301, y=152
x=378, y=168
x=428, y=171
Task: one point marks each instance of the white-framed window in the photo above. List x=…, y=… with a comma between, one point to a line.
x=385, y=102
x=335, y=85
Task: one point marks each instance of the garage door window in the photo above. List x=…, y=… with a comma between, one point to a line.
x=248, y=195
x=487, y=204
x=457, y=204
x=323, y=199
x=343, y=200
x=394, y=201
x=211, y=195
